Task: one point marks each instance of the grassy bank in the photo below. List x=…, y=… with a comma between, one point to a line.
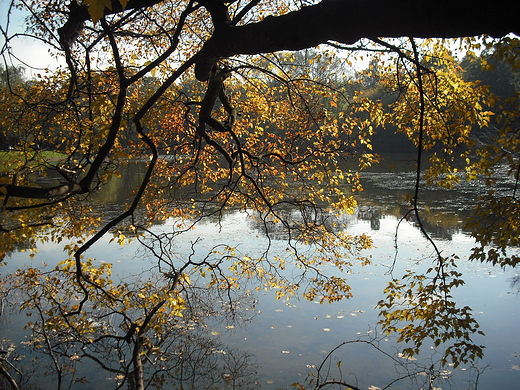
x=11, y=160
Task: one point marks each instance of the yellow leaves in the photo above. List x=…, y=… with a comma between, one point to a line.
x=120, y=237
x=424, y=303
x=295, y=133
x=496, y=228
x=328, y=290
x=472, y=173
x=185, y=278
x=345, y=204
x=96, y=8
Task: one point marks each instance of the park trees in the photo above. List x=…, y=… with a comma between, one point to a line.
x=211, y=84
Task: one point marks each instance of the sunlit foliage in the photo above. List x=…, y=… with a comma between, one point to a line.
x=279, y=135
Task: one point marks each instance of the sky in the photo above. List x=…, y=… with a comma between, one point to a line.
x=28, y=52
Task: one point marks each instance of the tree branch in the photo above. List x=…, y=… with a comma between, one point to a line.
x=347, y=21
x=344, y=21
x=44, y=193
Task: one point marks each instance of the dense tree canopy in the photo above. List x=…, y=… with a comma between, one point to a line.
x=211, y=97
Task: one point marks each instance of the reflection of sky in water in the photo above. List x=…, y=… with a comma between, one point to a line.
x=287, y=337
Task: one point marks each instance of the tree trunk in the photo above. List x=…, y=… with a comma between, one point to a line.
x=138, y=373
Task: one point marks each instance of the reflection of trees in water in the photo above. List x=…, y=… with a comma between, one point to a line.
x=515, y=283
x=441, y=225
x=196, y=360
x=372, y=214
x=384, y=195
x=443, y=210
x=300, y=220
x=176, y=352
x=394, y=369
x=193, y=359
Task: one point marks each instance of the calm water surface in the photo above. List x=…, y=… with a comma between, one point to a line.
x=288, y=339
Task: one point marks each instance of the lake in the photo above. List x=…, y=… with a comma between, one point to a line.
x=285, y=340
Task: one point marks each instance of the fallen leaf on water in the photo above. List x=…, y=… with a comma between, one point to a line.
x=403, y=356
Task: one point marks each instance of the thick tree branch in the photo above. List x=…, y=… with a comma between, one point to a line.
x=44, y=193
x=344, y=21
x=347, y=21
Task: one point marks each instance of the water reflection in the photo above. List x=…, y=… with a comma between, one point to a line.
x=98, y=349
x=288, y=338
x=515, y=283
x=386, y=193
x=372, y=214
x=388, y=187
